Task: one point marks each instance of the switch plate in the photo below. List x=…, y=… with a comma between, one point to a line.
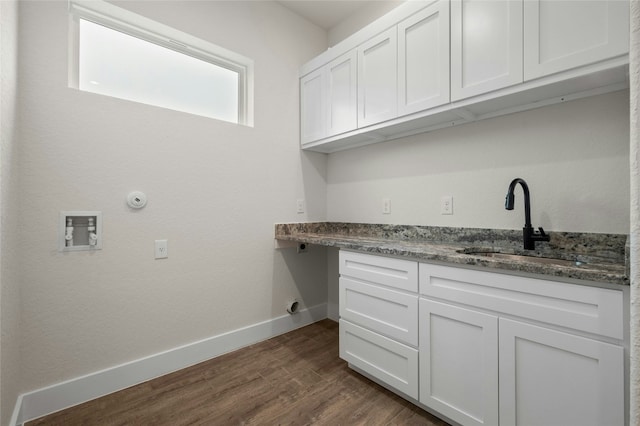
x=446, y=204
x=161, y=249
x=386, y=206
x=300, y=205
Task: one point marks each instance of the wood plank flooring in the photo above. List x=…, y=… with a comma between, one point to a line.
x=294, y=379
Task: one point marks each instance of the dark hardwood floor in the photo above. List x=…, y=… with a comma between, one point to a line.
x=294, y=379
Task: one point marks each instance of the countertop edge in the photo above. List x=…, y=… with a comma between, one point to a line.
x=448, y=253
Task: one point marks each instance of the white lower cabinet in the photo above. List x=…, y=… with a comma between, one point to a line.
x=552, y=377
x=385, y=359
x=483, y=348
x=379, y=318
x=459, y=363
x=389, y=312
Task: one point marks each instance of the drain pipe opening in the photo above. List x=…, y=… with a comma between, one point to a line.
x=292, y=307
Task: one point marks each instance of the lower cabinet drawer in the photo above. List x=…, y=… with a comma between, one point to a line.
x=591, y=309
x=382, y=310
x=385, y=359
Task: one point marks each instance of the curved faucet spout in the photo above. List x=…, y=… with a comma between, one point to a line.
x=529, y=235
x=510, y=199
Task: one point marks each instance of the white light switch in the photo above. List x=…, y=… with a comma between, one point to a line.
x=161, y=249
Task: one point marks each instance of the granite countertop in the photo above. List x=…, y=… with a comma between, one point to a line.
x=601, y=258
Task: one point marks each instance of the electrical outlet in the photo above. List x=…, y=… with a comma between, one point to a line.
x=386, y=206
x=300, y=205
x=161, y=249
x=446, y=204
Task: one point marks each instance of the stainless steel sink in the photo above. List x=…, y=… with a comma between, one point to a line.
x=525, y=258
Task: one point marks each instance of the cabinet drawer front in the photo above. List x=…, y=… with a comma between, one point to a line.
x=389, y=361
x=590, y=309
x=539, y=367
x=382, y=310
x=397, y=273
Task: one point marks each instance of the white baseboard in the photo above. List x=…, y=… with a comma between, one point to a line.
x=17, y=412
x=41, y=402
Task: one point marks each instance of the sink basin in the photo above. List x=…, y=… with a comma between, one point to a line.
x=525, y=258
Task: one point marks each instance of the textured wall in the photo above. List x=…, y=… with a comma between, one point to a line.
x=363, y=17
x=634, y=75
x=574, y=157
x=9, y=279
x=215, y=190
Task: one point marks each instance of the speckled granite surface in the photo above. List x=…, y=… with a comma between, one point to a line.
x=582, y=256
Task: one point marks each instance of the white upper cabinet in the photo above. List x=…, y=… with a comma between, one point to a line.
x=427, y=65
x=312, y=107
x=565, y=34
x=486, y=46
x=377, y=78
x=423, y=59
x=328, y=99
x=342, y=94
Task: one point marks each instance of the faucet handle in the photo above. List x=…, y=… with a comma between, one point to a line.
x=542, y=236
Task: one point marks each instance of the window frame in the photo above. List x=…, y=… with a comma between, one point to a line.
x=122, y=20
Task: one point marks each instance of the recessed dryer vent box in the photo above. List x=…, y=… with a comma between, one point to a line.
x=80, y=230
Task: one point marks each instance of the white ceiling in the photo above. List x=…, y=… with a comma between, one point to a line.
x=325, y=13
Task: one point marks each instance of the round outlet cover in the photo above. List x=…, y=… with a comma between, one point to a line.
x=136, y=200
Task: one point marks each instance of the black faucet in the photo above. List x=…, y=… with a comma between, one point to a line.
x=530, y=236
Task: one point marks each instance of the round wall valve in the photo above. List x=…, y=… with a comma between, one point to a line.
x=136, y=200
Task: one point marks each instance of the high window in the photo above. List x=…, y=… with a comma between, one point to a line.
x=117, y=53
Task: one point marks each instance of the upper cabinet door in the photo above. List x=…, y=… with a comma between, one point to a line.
x=423, y=59
x=486, y=46
x=377, y=78
x=312, y=107
x=342, y=94
x=564, y=34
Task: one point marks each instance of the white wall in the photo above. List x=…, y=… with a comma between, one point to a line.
x=215, y=190
x=574, y=156
x=9, y=280
x=363, y=17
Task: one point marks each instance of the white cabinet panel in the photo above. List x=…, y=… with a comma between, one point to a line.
x=486, y=46
x=313, y=107
x=551, y=377
x=397, y=273
x=564, y=34
x=342, y=94
x=590, y=309
x=385, y=311
x=459, y=363
x=377, y=78
x=423, y=59
x=383, y=358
